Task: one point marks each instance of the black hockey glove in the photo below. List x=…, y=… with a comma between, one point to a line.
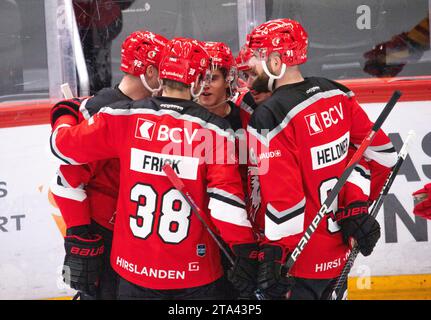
x=243, y=274
x=65, y=107
x=272, y=278
x=356, y=223
x=84, y=259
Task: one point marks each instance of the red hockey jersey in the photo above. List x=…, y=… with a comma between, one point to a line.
x=243, y=99
x=158, y=242
x=89, y=191
x=300, y=138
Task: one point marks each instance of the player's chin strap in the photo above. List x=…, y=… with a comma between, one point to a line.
x=192, y=90
x=271, y=76
x=147, y=86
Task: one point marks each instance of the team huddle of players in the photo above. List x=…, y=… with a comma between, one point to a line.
x=132, y=235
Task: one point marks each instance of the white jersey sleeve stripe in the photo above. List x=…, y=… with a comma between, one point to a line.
x=226, y=212
x=285, y=215
x=359, y=180
x=364, y=171
x=383, y=148
x=77, y=194
x=84, y=110
x=55, y=150
x=385, y=159
x=226, y=195
x=276, y=231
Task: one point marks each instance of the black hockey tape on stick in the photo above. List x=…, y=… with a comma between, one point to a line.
x=336, y=293
x=180, y=186
x=341, y=181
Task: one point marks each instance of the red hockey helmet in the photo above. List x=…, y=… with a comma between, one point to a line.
x=220, y=55
x=244, y=56
x=141, y=49
x=184, y=60
x=284, y=36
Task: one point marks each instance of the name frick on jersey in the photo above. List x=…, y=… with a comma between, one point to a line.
x=152, y=163
x=156, y=163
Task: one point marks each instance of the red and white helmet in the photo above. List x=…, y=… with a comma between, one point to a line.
x=285, y=36
x=244, y=56
x=185, y=60
x=141, y=49
x=221, y=57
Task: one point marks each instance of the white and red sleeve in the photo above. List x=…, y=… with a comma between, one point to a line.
x=225, y=190
x=91, y=140
x=68, y=190
x=380, y=155
x=280, y=181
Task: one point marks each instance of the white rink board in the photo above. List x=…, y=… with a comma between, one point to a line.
x=31, y=257
x=407, y=255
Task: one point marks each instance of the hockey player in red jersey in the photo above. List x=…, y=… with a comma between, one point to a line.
x=160, y=248
x=246, y=63
x=300, y=139
x=220, y=97
x=217, y=98
x=220, y=89
x=87, y=195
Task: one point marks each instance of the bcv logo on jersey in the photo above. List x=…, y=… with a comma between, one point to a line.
x=175, y=134
x=330, y=117
x=144, y=129
x=313, y=123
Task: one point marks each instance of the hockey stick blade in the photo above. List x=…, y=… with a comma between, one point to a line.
x=67, y=92
x=336, y=291
x=341, y=181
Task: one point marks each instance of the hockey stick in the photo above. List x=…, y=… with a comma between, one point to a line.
x=179, y=185
x=65, y=89
x=336, y=291
x=341, y=181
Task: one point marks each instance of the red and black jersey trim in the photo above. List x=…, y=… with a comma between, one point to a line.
x=174, y=105
x=286, y=100
x=279, y=219
x=226, y=200
x=102, y=98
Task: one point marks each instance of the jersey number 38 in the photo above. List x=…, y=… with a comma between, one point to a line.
x=175, y=212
